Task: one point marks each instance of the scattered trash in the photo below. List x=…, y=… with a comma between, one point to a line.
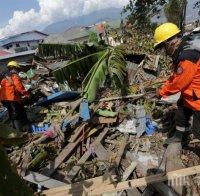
x=128, y=126
x=150, y=126
x=40, y=129
x=100, y=136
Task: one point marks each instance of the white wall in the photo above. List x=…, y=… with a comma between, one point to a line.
x=30, y=45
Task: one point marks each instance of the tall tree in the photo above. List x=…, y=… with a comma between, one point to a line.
x=140, y=12
x=175, y=11
x=197, y=6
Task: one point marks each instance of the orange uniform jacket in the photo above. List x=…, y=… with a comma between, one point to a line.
x=12, y=89
x=187, y=81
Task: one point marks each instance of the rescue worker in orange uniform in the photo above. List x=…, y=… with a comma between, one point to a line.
x=185, y=78
x=11, y=92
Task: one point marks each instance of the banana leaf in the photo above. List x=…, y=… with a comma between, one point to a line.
x=117, y=66
x=97, y=77
x=75, y=71
x=69, y=51
x=90, y=71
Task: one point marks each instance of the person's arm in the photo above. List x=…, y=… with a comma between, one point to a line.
x=180, y=79
x=18, y=85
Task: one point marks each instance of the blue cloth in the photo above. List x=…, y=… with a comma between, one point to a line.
x=150, y=126
x=84, y=110
x=58, y=97
x=40, y=129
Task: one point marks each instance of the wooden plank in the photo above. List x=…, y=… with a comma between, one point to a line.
x=104, y=120
x=76, y=133
x=52, y=166
x=174, y=162
x=129, y=171
x=126, y=175
x=42, y=180
x=121, y=150
x=101, y=136
x=97, y=181
x=101, y=152
x=146, y=180
x=173, y=175
x=93, y=131
x=73, y=172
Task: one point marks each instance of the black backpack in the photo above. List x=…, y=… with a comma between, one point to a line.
x=193, y=41
x=189, y=49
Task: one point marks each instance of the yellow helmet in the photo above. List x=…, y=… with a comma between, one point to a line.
x=164, y=32
x=13, y=64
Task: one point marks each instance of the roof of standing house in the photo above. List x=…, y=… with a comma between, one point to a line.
x=68, y=36
x=75, y=33
x=22, y=37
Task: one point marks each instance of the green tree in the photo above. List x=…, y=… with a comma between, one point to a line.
x=93, y=38
x=197, y=6
x=175, y=12
x=140, y=13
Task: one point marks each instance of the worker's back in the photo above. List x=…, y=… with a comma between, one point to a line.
x=11, y=87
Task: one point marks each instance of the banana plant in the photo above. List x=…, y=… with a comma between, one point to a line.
x=66, y=51
x=109, y=62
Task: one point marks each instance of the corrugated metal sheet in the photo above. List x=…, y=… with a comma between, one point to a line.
x=27, y=36
x=13, y=55
x=4, y=53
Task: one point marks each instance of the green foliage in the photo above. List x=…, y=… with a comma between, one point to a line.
x=66, y=51
x=117, y=65
x=140, y=12
x=10, y=182
x=94, y=79
x=136, y=42
x=75, y=71
x=197, y=6
x=93, y=38
x=97, y=66
x=174, y=11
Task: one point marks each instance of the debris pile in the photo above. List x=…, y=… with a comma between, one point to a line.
x=78, y=147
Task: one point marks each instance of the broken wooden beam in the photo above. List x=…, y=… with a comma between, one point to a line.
x=126, y=175
x=73, y=172
x=173, y=162
x=42, y=180
x=97, y=190
x=53, y=165
x=77, y=132
x=97, y=181
x=121, y=150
